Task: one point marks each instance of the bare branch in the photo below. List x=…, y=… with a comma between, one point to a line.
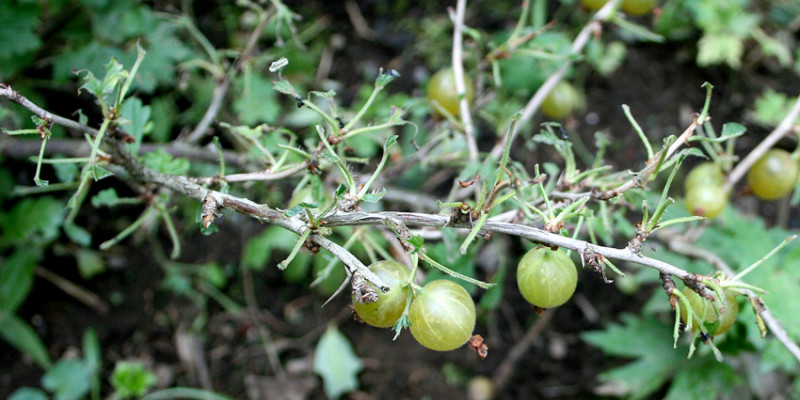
x=458, y=73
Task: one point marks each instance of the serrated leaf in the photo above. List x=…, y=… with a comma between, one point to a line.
x=703, y=379
x=162, y=161
x=770, y=108
x=32, y=219
x=131, y=379
x=164, y=52
x=18, y=37
x=649, y=342
x=68, y=379
x=99, y=88
x=374, y=197
x=19, y=334
x=283, y=86
x=105, y=198
x=336, y=363
x=256, y=102
x=16, y=277
x=720, y=48
x=139, y=117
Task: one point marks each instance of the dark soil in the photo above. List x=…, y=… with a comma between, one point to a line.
x=660, y=83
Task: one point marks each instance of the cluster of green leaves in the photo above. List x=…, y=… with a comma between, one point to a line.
x=728, y=27
x=657, y=363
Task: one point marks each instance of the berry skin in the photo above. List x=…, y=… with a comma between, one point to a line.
x=560, y=101
x=390, y=305
x=706, y=173
x=442, y=89
x=706, y=201
x=546, y=278
x=773, y=175
x=717, y=319
x=442, y=316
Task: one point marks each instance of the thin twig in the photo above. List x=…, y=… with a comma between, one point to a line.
x=81, y=294
x=222, y=87
x=505, y=370
x=13, y=95
x=458, y=73
x=577, y=46
x=267, y=175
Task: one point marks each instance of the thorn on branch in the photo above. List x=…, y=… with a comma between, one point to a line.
x=635, y=245
x=363, y=292
x=209, y=212
x=311, y=246
x=123, y=136
x=466, y=184
x=595, y=262
x=694, y=282
x=669, y=286
x=313, y=166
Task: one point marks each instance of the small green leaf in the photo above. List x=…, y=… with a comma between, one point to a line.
x=284, y=87
x=770, y=108
x=91, y=350
x=68, y=379
x=77, y=234
x=732, y=129
x=720, y=48
x=114, y=73
x=32, y=220
x=374, y=197
x=336, y=363
x=100, y=173
x=19, y=22
x=385, y=77
x=162, y=161
x=105, y=198
x=491, y=299
x=89, y=263
x=27, y=393
x=139, y=117
x=66, y=172
x=256, y=102
x=16, y=277
x=131, y=379
x=258, y=250
x=245, y=131
x=19, y=334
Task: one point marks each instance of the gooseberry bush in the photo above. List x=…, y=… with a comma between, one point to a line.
x=393, y=196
